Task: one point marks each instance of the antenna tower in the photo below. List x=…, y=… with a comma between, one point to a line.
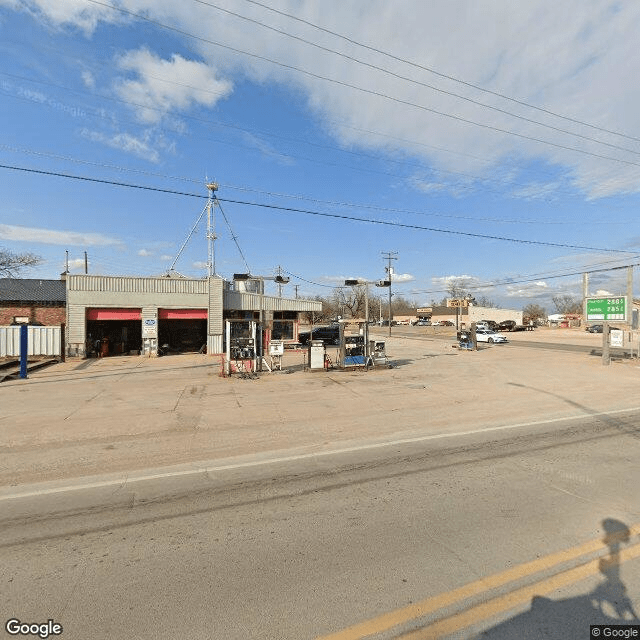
x=211, y=223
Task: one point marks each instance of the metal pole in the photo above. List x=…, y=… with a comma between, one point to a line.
x=366, y=323
x=606, y=356
x=389, y=302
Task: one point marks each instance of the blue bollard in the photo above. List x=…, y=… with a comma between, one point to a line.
x=24, y=350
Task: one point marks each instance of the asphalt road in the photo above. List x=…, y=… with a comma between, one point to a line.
x=527, y=532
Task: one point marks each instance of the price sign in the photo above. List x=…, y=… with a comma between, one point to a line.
x=612, y=309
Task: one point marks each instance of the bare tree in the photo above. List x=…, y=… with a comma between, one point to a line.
x=458, y=287
x=483, y=301
x=11, y=264
x=567, y=304
x=534, y=313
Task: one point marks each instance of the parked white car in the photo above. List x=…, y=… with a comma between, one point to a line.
x=486, y=335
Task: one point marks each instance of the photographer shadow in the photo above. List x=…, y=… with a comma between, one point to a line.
x=608, y=603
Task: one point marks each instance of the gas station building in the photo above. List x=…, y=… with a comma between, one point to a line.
x=112, y=315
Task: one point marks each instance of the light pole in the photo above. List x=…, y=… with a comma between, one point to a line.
x=366, y=283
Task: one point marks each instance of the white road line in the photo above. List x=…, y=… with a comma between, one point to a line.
x=203, y=468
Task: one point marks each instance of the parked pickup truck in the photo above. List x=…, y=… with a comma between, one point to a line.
x=329, y=335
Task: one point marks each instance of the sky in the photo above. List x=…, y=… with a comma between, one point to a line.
x=496, y=142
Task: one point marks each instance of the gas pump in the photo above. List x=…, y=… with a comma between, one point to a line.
x=241, y=349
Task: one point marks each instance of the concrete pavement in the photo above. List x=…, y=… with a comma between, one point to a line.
x=120, y=415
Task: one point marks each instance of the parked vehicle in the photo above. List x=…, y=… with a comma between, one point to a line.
x=487, y=335
x=446, y=323
x=507, y=325
x=598, y=328
x=423, y=323
x=482, y=326
x=329, y=335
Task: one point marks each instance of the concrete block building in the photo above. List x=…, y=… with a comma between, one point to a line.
x=130, y=315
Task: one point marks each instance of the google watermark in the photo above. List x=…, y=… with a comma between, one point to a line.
x=46, y=629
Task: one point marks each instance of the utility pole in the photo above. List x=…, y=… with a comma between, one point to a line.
x=389, y=256
x=295, y=286
x=279, y=281
x=86, y=263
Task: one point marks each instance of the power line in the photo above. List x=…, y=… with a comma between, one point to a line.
x=302, y=197
x=507, y=183
x=414, y=81
x=509, y=281
x=361, y=89
x=315, y=213
x=317, y=284
x=267, y=133
x=443, y=75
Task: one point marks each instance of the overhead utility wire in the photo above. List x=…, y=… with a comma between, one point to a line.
x=314, y=213
x=500, y=283
x=335, y=203
x=285, y=155
x=233, y=235
x=357, y=88
x=414, y=81
x=269, y=133
x=317, y=284
x=443, y=75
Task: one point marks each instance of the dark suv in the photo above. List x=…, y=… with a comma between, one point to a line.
x=329, y=335
x=507, y=325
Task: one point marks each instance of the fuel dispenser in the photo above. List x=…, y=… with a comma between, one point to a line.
x=241, y=352
x=378, y=352
x=316, y=355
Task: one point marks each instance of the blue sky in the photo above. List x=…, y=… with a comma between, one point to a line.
x=499, y=142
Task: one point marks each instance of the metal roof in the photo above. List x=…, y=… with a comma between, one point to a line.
x=32, y=290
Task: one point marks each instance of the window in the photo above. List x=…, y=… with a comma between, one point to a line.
x=282, y=330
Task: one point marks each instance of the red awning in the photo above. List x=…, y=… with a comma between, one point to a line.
x=182, y=314
x=114, y=314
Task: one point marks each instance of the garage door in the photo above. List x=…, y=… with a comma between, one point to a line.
x=114, y=314
x=182, y=314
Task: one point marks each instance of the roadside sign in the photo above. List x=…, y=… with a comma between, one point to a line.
x=616, y=338
x=611, y=309
x=454, y=302
x=150, y=328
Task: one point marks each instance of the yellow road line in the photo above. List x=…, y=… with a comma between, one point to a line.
x=510, y=600
x=429, y=605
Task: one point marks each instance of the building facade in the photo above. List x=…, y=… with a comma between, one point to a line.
x=34, y=301
x=111, y=315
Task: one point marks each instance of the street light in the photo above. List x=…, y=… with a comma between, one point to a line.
x=366, y=283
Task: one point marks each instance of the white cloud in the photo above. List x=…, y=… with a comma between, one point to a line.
x=402, y=277
x=140, y=147
x=145, y=253
x=166, y=258
x=572, y=58
x=528, y=290
x=77, y=264
x=199, y=264
x=162, y=86
x=88, y=79
x=49, y=236
x=71, y=13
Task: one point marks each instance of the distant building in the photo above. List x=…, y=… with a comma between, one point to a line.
x=32, y=301
x=467, y=314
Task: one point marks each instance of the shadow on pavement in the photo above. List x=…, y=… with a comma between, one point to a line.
x=608, y=603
